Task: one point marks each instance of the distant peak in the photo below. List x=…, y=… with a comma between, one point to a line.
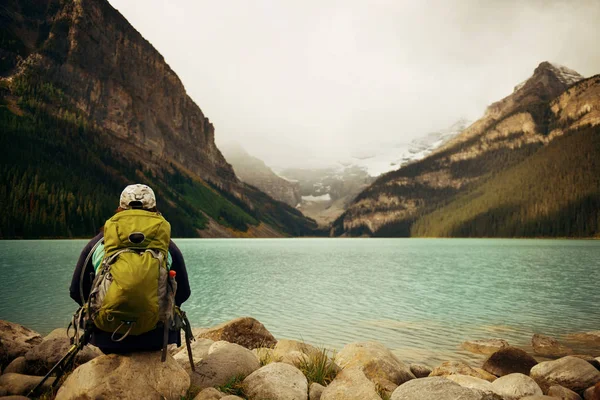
x=564, y=75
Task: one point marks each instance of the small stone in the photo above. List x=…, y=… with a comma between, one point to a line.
x=455, y=367
x=485, y=346
x=315, y=391
x=420, y=370
x=19, y=384
x=245, y=331
x=547, y=346
x=562, y=393
x=209, y=394
x=509, y=360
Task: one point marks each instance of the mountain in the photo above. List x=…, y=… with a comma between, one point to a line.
x=255, y=172
x=379, y=158
x=529, y=167
x=326, y=192
x=87, y=105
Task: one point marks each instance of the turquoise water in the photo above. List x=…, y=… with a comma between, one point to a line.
x=420, y=297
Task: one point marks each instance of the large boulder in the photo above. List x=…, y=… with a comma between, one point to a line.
x=276, y=381
x=455, y=368
x=127, y=377
x=571, y=372
x=509, y=360
x=562, y=393
x=514, y=386
x=244, y=331
x=485, y=346
x=18, y=384
x=351, y=384
x=16, y=340
x=224, y=361
x=52, y=348
x=547, y=346
x=377, y=362
x=437, y=388
x=200, y=349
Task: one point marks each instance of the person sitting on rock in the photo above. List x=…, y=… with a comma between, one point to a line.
x=137, y=206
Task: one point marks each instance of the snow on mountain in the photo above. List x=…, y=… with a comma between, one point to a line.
x=390, y=156
x=564, y=74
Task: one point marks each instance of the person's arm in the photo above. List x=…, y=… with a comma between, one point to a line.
x=87, y=275
x=178, y=265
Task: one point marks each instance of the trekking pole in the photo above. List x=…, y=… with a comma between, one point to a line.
x=63, y=363
x=189, y=336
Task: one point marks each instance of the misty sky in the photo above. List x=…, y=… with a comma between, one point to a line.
x=320, y=80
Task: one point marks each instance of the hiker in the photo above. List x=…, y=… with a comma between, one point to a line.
x=137, y=211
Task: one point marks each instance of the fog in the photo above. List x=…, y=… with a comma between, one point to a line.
x=307, y=83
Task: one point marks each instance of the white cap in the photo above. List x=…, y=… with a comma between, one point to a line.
x=142, y=194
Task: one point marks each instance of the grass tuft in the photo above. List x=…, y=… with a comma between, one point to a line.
x=233, y=386
x=318, y=367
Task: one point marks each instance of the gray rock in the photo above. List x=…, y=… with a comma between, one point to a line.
x=18, y=366
x=351, y=384
x=209, y=394
x=53, y=347
x=223, y=362
x=127, y=377
x=315, y=391
x=276, y=381
x=437, y=388
x=420, y=370
x=509, y=360
x=562, y=393
x=514, y=386
x=455, y=368
x=485, y=346
x=547, y=346
x=376, y=361
x=245, y=331
x=571, y=372
x=19, y=384
x=16, y=340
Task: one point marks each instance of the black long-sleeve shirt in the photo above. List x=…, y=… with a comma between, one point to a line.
x=148, y=341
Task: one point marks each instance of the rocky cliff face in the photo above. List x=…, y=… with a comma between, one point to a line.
x=512, y=130
x=255, y=172
x=116, y=79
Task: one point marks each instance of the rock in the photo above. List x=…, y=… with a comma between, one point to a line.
x=276, y=381
x=17, y=340
x=127, y=377
x=595, y=363
x=592, y=393
x=562, y=393
x=376, y=361
x=19, y=384
x=294, y=358
x=209, y=394
x=455, y=367
x=420, y=370
x=199, y=351
x=514, y=386
x=486, y=375
x=351, y=384
x=437, y=388
x=571, y=372
x=549, y=347
x=266, y=355
x=231, y=397
x=485, y=346
x=538, y=397
x=592, y=337
x=18, y=366
x=315, y=391
x=244, y=331
x=285, y=346
x=508, y=361
x=52, y=348
x=3, y=392
x=224, y=361
x=14, y=398
x=471, y=382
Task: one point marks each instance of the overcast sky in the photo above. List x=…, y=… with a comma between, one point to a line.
x=321, y=79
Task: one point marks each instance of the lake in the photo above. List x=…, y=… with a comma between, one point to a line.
x=420, y=297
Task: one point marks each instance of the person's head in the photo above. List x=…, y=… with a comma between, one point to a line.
x=138, y=196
